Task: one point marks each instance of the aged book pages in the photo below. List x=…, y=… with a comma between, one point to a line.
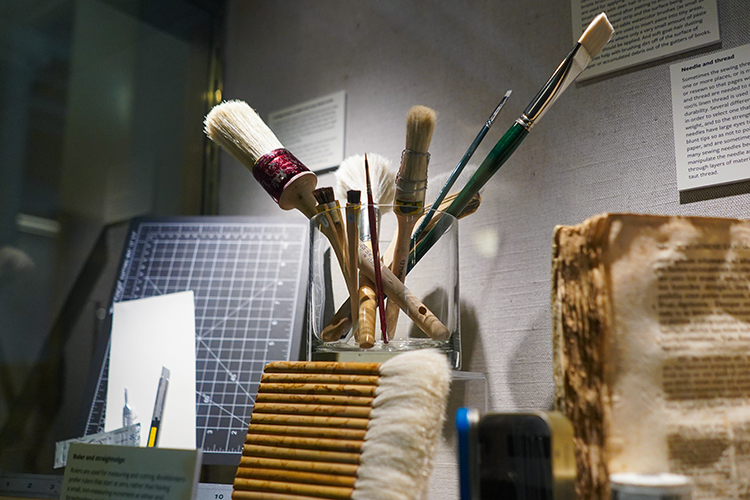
x=651, y=346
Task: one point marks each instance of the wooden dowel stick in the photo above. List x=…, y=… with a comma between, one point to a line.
x=293, y=476
x=308, y=443
x=312, y=409
x=403, y=298
x=321, y=399
x=292, y=430
x=320, y=378
x=267, y=495
x=323, y=367
x=345, y=389
x=308, y=420
x=300, y=454
x=332, y=492
x=299, y=465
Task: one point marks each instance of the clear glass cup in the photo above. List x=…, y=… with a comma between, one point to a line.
x=430, y=292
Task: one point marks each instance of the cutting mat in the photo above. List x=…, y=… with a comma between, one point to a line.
x=248, y=277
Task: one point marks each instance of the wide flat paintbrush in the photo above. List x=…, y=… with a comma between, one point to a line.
x=333, y=430
x=411, y=184
x=588, y=47
x=332, y=225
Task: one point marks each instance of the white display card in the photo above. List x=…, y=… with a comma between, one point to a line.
x=711, y=114
x=313, y=131
x=646, y=30
x=96, y=471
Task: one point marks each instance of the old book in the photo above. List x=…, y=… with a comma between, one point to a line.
x=651, y=319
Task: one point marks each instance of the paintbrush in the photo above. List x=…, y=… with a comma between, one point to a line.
x=411, y=184
x=332, y=226
x=588, y=47
x=416, y=236
x=238, y=129
x=353, y=207
x=375, y=252
x=343, y=430
x=351, y=176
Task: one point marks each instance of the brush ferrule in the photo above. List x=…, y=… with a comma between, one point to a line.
x=275, y=169
x=411, y=182
x=525, y=121
x=414, y=153
x=410, y=195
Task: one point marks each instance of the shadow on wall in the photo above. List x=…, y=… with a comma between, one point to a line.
x=713, y=192
x=530, y=374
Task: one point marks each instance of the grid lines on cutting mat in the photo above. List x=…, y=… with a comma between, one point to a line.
x=245, y=278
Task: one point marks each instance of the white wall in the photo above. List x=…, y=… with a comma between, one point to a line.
x=606, y=145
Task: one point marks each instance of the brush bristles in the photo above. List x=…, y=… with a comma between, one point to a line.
x=353, y=197
x=351, y=176
x=596, y=35
x=405, y=427
x=237, y=128
x=420, y=123
x=324, y=195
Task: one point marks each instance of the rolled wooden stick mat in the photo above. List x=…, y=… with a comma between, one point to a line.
x=340, y=431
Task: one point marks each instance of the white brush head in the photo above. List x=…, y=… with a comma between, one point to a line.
x=351, y=175
x=405, y=427
x=596, y=36
x=237, y=128
x=420, y=123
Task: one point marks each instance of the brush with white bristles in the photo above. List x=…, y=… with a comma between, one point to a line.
x=411, y=184
x=350, y=176
x=237, y=128
x=591, y=42
x=337, y=430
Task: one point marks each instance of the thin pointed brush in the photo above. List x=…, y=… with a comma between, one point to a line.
x=375, y=252
x=411, y=184
x=350, y=176
x=416, y=236
x=592, y=41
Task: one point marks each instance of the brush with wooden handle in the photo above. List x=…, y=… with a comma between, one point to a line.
x=350, y=176
x=353, y=209
x=411, y=184
x=334, y=430
x=238, y=129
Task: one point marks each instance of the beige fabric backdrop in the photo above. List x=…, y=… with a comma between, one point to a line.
x=607, y=145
